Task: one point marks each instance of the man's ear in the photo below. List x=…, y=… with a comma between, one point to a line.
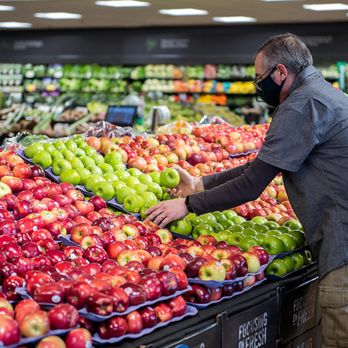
x=282, y=71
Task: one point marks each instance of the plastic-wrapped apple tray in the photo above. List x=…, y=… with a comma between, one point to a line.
x=32, y=340
x=50, y=175
x=234, y=155
x=99, y=318
x=246, y=289
x=294, y=272
x=190, y=312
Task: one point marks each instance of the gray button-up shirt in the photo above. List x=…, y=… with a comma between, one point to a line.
x=308, y=140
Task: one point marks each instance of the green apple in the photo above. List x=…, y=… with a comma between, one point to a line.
x=79, y=153
x=117, y=184
x=71, y=176
x=43, y=159
x=31, y=150
x=113, y=157
x=59, y=145
x=169, y=178
x=283, y=229
x=145, y=179
x=68, y=155
x=260, y=228
x=95, y=170
x=289, y=263
x=289, y=241
x=298, y=260
x=140, y=188
x=71, y=145
x=217, y=236
x=216, y=227
x=90, y=151
x=166, y=196
x=87, y=161
x=155, y=177
x=149, y=198
x=106, y=168
x=132, y=181
x=237, y=219
x=122, y=174
x=104, y=189
x=98, y=158
x=293, y=224
x=236, y=228
x=76, y=163
x=143, y=211
x=259, y=220
x=229, y=214
x=194, y=219
x=182, y=226
x=271, y=224
x=110, y=177
x=219, y=216
x=56, y=155
x=247, y=224
x=49, y=147
x=199, y=230
x=134, y=172
x=208, y=218
x=307, y=257
x=60, y=166
x=273, y=245
x=234, y=238
x=224, y=235
x=249, y=232
x=248, y=242
x=80, y=141
x=299, y=237
x=93, y=180
x=226, y=224
x=156, y=189
x=118, y=166
x=84, y=175
x=124, y=192
x=133, y=203
x=274, y=233
x=276, y=268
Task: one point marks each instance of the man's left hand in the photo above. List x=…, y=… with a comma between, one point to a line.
x=165, y=212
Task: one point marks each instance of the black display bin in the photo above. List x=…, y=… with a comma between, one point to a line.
x=309, y=339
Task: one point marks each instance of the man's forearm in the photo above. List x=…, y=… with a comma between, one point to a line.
x=243, y=188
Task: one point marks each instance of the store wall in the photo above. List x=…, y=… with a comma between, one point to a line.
x=189, y=45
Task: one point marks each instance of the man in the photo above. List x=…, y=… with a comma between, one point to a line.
x=308, y=142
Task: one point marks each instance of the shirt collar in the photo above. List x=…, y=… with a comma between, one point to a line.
x=306, y=72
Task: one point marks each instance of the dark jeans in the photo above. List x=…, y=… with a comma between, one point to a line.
x=333, y=298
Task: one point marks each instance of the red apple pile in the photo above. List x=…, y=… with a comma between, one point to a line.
x=28, y=320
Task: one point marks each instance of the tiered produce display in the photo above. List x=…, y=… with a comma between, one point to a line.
x=73, y=265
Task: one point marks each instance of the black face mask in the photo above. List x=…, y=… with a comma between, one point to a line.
x=269, y=91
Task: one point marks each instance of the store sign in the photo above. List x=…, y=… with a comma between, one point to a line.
x=20, y=45
x=300, y=310
x=174, y=43
x=253, y=328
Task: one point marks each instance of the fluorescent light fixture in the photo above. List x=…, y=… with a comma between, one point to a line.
x=123, y=3
x=6, y=8
x=278, y=0
x=15, y=25
x=183, y=12
x=234, y=19
x=57, y=15
x=326, y=7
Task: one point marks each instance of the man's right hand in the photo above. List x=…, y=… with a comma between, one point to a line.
x=188, y=184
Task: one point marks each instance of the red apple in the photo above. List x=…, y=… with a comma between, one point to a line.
x=78, y=338
x=163, y=312
x=178, y=306
x=63, y=316
x=35, y=324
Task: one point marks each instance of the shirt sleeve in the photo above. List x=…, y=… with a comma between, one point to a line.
x=289, y=141
x=211, y=181
x=246, y=187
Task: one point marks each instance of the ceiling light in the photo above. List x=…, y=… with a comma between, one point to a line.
x=326, y=7
x=15, y=25
x=278, y=0
x=234, y=19
x=6, y=8
x=123, y=3
x=183, y=12
x=57, y=15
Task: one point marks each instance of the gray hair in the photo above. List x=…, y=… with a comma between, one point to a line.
x=287, y=49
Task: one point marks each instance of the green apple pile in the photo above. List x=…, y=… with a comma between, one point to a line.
x=235, y=230
x=280, y=267
x=75, y=162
